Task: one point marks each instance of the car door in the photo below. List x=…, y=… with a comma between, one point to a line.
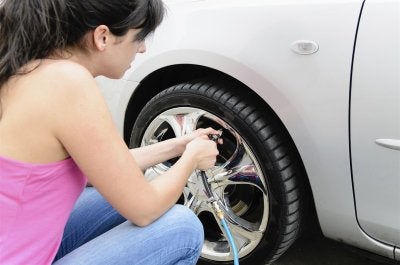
x=375, y=121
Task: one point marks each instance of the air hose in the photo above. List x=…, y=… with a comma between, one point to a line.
x=218, y=212
x=231, y=242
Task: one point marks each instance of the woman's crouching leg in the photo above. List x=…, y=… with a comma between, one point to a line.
x=175, y=238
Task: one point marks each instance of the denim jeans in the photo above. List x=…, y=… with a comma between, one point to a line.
x=96, y=234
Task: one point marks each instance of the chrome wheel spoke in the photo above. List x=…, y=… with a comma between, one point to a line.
x=183, y=122
x=238, y=222
x=238, y=156
x=239, y=175
x=189, y=198
x=180, y=121
x=243, y=235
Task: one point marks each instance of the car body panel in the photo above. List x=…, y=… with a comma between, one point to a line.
x=375, y=114
x=309, y=93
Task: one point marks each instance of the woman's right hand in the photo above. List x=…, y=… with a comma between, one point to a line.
x=203, y=151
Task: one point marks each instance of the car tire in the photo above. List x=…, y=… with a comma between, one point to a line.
x=267, y=212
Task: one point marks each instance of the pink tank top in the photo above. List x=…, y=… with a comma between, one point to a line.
x=35, y=203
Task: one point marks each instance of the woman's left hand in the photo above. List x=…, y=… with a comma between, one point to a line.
x=199, y=133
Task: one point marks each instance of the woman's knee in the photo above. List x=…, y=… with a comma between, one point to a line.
x=186, y=222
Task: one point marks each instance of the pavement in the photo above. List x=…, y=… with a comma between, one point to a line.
x=315, y=249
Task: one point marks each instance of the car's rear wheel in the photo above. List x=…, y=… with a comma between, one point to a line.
x=257, y=178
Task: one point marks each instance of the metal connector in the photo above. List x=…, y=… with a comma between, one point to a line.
x=215, y=137
x=218, y=211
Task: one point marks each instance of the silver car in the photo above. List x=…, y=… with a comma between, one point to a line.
x=307, y=95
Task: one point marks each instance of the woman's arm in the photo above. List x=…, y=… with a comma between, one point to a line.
x=154, y=154
x=151, y=155
x=83, y=124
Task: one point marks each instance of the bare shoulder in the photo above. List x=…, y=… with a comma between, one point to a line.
x=62, y=82
x=56, y=90
x=63, y=74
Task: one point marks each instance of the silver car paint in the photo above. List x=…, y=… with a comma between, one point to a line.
x=310, y=93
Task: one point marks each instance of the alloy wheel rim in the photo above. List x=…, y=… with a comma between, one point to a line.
x=236, y=181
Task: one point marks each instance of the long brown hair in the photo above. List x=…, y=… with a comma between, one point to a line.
x=34, y=29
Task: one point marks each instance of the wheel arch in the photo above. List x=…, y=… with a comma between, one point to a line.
x=168, y=76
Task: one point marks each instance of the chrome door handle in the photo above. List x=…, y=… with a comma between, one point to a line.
x=389, y=143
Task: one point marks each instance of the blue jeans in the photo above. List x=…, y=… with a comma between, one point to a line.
x=96, y=234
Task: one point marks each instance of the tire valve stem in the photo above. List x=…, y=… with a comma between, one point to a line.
x=215, y=137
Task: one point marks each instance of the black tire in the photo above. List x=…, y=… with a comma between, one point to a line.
x=268, y=142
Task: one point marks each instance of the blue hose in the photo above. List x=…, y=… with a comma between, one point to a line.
x=220, y=215
x=231, y=242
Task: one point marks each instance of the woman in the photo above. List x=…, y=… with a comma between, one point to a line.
x=56, y=133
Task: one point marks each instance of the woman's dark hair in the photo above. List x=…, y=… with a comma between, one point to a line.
x=34, y=29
